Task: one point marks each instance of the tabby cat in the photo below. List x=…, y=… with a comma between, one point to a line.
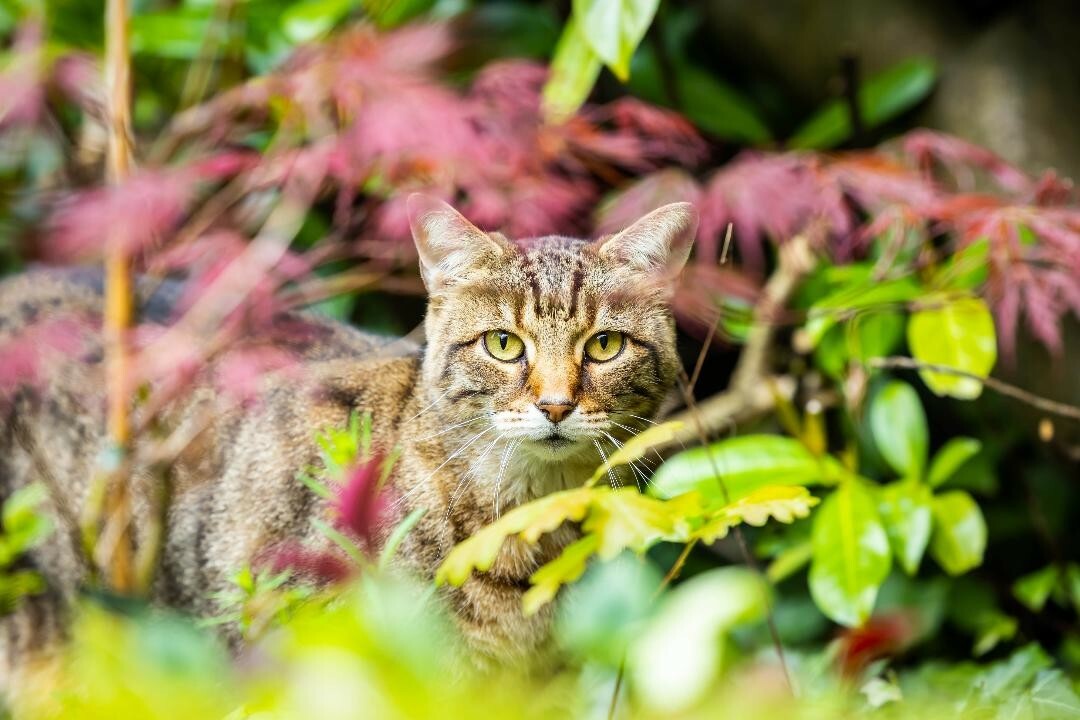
x=539, y=353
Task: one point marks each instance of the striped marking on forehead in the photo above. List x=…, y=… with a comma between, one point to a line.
x=555, y=269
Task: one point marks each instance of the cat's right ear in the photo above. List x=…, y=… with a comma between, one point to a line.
x=449, y=246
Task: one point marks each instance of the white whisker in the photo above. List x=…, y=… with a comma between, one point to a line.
x=496, y=510
x=433, y=404
x=615, y=485
x=463, y=448
x=463, y=482
x=454, y=427
x=633, y=467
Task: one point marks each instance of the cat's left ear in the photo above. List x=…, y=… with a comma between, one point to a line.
x=450, y=247
x=657, y=244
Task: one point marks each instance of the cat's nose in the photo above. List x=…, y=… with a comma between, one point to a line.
x=555, y=410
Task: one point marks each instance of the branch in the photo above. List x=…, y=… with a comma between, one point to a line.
x=119, y=310
x=753, y=390
x=1045, y=404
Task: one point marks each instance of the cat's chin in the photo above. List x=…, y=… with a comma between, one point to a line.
x=556, y=448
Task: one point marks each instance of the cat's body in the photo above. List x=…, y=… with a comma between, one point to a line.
x=478, y=434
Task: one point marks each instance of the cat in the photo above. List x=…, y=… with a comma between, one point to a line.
x=536, y=352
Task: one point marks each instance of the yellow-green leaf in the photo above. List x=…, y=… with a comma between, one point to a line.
x=614, y=28
x=637, y=446
x=782, y=502
x=573, y=72
x=959, y=334
x=531, y=521
x=563, y=570
x=626, y=519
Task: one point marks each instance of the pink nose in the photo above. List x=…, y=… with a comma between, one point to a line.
x=555, y=411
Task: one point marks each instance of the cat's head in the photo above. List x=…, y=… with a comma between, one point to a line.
x=560, y=343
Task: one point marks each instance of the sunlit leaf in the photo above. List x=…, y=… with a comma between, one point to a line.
x=959, y=537
x=307, y=20
x=851, y=555
x=740, y=466
x=904, y=507
x=614, y=28
x=626, y=519
x=898, y=424
x=783, y=503
x=573, y=72
x=960, y=335
x=951, y=458
x=566, y=568
x=637, y=446
x=530, y=520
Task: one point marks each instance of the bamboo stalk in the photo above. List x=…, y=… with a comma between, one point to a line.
x=119, y=301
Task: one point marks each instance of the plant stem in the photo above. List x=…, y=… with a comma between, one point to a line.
x=118, y=300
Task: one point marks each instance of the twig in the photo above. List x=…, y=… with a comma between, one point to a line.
x=753, y=389
x=119, y=310
x=1036, y=401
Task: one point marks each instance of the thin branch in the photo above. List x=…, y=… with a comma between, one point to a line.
x=117, y=563
x=753, y=389
x=1036, y=401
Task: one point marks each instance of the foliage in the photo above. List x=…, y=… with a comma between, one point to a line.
x=277, y=140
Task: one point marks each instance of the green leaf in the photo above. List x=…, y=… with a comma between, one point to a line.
x=614, y=29
x=398, y=535
x=689, y=627
x=1034, y=589
x=898, y=424
x=745, y=464
x=718, y=108
x=599, y=617
x=868, y=335
x=565, y=569
x=952, y=456
x=308, y=20
x=959, y=537
x=905, y=512
x=880, y=99
x=178, y=35
x=850, y=555
x=573, y=72
x=966, y=269
x=789, y=562
x=861, y=296
x=392, y=13
x=960, y=335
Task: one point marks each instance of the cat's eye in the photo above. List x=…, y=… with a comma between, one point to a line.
x=604, y=345
x=503, y=345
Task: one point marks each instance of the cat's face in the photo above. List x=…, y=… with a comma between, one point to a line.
x=562, y=346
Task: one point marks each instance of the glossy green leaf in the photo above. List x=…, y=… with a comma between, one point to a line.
x=898, y=424
x=614, y=29
x=904, y=507
x=851, y=555
x=959, y=537
x=950, y=458
x=573, y=72
x=881, y=98
x=959, y=334
x=745, y=464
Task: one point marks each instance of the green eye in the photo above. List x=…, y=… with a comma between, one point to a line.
x=503, y=345
x=604, y=345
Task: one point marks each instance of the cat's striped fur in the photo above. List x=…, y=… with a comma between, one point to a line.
x=473, y=440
